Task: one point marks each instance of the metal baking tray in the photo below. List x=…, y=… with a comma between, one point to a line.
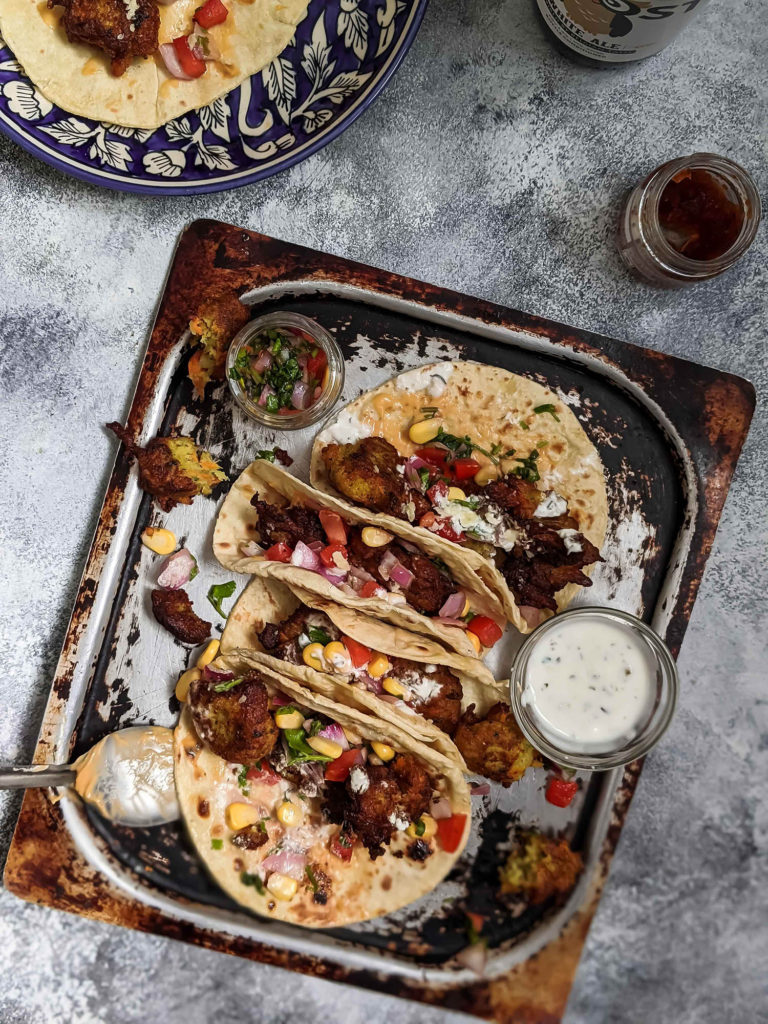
x=669, y=433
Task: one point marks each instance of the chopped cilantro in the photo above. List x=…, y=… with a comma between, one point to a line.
x=242, y=780
x=430, y=411
x=419, y=827
x=471, y=502
x=219, y=592
x=217, y=844
x=462, y=447
x=318, y=636
x=272, y=404
x=549, y=408
x=229, y=685
x=524, y=425
x=297, y=741
x=261, y=825
x=311, y=877
x=424, y=477
x=254, y=880
x=268, y=454
x=528, y=470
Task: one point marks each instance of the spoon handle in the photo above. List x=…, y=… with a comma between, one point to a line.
x=30, y=776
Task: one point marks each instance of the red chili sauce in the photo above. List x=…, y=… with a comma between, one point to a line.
x=700, y=215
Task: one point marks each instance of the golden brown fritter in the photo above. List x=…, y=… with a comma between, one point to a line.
x=366, y=473
x=442, y=707
x=106, y=24
x=214, y=325
x=235, y=723
x=287, y=525
x=431, y=587
x=173, y=609
x=493, y=746
x=539, y=867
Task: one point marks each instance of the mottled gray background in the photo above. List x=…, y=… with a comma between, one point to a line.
x=493, y=166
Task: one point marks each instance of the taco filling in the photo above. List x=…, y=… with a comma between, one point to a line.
x=530, y=535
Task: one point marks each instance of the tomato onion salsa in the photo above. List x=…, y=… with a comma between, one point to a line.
x=283, y=371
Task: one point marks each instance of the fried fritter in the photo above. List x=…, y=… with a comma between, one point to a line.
x=493, y=746
x=235, y=723
x=431, y=587
x=214, y=325
x=281, y=639
x=539, y=867
x=512, y=494
x=287, y=525
x=536, y=571
x=436, y=695
x=369, y=472
x=107, y=25
x=173, y=609
x=250, y=838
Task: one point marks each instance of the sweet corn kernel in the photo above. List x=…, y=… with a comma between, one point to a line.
x=337, y=656
x=289, y=814
x=425, y=431
x=456, y=494
x=329, y=748
x=378, y=666
x=185, y=681
x=430, y=827
x=313, y=656
x=162, y=542
x=240, y=815
x=382, y=750
x=288, y=719
x=373, y=537
x=474, y=639
x=210, y=652
x=466, y=607
x=354, y=739
x=393, y=686
x=485, y=474
x=282, y=886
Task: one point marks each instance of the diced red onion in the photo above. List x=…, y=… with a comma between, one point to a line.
x=213, y=675
x=318, y=391
x=460, y=623
x=479, y=789
x=533, y=616
x=412, y=467
x=401, y=576
x=316, y=545
x=251, y=549
x=453, y=607
x=361, y=574
x=336, y=733
x=177, y=570
x=389, y=698
x=263, y=361
x=172, y=63
x=374, y=685
x=305, y=558
x=441, y=808
x=334, y=576
x=279, y=700
x=287, y=863
x=266, y=391
x=474, y=957
x=346, y=589
x=300, y=396
x=197, y=50
x=388, y=560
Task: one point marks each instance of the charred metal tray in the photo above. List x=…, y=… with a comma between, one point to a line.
x=669, y=433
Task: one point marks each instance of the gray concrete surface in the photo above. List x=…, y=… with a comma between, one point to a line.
x=492, y=166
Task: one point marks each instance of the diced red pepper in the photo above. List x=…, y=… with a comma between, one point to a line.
x=342, y=845
x=261, y=772
x=316, y=366
x=334, y=527
x=450, y=831
x=434, y=456
x=463, y=469
x=485, y=629
x=213, y=12
x=560, y=792
x=338, y=770
x=190, y=64
x=326, y=555
x=369, y=589
x=359, y=654
x=279, y=552
x=438, y=493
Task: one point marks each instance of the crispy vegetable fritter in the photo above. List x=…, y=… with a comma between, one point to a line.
x=436, y=695
x=172, y=469
x=235, y=723
x=106, y=25
x=493, y=746
x=173, y=609
x=539, y=867
x=431, y=587
x=214, y=325
x=287, y=525
x=281, y=639
x=369, y=472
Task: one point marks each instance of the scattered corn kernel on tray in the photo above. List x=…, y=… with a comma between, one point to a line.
x=668, y=433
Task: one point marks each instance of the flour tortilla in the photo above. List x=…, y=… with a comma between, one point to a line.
x=362, y=888
x=236, y=524
x=78, y=77
x=265, y=601
x=488, y=404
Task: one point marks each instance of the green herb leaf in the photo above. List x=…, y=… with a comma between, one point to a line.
x=217, y=844
x=242, y=780
x=524, y=425
x=430, y=411
x=254, y=880
x=471, y=502
x=462, y=447
x=311, y=876
x=268, y=454
x=424, y=477
x=272, y=404
x=219, y=592
x=318, y=636
x=419, y=828
x=262, y=826
x=297, y=741
x=528, y=470
x=549, y=408
x=229, y=685
x=194, y=570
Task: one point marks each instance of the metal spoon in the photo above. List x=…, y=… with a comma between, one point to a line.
x=127, y=776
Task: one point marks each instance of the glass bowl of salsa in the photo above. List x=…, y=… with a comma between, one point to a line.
x=285, y=370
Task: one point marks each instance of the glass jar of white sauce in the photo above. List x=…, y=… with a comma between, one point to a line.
x=593, y=688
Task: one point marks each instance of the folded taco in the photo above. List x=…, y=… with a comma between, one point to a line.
x=307, y=811
x=484, y=461
x=272, y=524
x=430, y=693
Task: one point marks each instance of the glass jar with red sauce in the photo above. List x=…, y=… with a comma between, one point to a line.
x=689, y=220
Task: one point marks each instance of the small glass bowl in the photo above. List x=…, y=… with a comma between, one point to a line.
x=667, y=685
x=335, y=382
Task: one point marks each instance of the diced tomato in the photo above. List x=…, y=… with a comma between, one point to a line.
x=326, y=555
x=450, y=831
x=338, y=770
x=316, y=365
x=334, y=527
x=280, y=552
x=190, y=64
x=369, y=589
x=463, y=469
x=213, y=12
x=428, y=520
x=342, y=845
x=560, y=792
x=477, y=920
x=434, y=456
x=261, y=772
x=438, y=493
x=444, y=529
x=485, y=629
x=359, y=654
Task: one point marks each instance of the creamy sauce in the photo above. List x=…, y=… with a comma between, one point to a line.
x=590, y=684
x=128, y=776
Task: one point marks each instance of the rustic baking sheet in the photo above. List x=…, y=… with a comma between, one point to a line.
x=669, y=433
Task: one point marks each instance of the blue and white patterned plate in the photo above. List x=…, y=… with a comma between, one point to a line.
x=342, y=55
